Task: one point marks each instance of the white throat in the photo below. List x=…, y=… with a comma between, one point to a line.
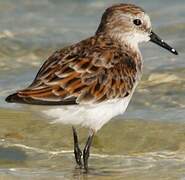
x=132, y=39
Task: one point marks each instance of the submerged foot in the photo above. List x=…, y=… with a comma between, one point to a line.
x=78, y=156
x=77, y=151
x=86, y=152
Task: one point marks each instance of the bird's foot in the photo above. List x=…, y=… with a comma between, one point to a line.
x=86, y=152
x=77, y=151
x=85, y=159
x=78, y=156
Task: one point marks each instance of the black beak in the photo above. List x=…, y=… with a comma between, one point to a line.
x=157, y=40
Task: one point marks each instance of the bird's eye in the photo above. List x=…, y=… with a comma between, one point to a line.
x=137, y=22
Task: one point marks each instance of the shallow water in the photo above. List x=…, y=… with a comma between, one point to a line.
x=146, y=143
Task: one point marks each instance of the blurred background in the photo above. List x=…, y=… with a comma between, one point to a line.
x=146, y=143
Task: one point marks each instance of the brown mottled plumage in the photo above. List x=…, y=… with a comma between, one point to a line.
x=97, y=69
x=95, y=78
x=94, y=70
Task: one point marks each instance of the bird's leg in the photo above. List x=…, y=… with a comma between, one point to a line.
x=87, y=150
x=77, y=151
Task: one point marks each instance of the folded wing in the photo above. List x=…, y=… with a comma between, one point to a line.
x=93, y=70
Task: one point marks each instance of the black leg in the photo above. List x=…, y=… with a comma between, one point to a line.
x=86, y=151
x=77, y=151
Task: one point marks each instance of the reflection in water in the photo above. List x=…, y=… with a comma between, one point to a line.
x=150, y=140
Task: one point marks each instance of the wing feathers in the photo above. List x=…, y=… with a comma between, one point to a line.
x=82, y=74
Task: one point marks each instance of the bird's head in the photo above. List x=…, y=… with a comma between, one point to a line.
x=130, y=24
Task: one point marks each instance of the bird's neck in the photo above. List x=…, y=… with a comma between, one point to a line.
x=131, y=47
x=127, y=40
x=128, y=46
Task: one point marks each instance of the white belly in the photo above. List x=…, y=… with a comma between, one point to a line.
x=93, y=116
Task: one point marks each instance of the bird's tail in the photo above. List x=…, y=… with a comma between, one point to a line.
x=14, y=98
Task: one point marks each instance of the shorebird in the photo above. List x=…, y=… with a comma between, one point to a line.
x=90, y=82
